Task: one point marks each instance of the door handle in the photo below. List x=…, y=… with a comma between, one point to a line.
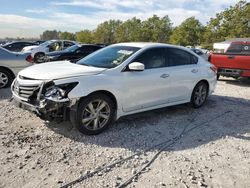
x=164, y=75
x=231, y=57
x=194, y=70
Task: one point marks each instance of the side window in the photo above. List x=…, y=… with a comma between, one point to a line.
x=83, y=49
x=67, y=44
x=55, y=46
x=96, y=48
x=152, y=58
x=28, y=44
x=177, y=57
x=88, y=49
x=234, y=48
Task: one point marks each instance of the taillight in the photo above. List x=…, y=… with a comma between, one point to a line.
x=213, y=68
x=29, y=58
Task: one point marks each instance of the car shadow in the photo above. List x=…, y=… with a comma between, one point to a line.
x=220, y=117
x=243, y=82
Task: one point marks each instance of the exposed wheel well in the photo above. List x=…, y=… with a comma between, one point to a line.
x=10, y=71
x=205, y=81
x=109, y=94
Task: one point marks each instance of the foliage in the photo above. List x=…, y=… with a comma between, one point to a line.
x=156, y=29
x=85, y=36
x=67, y=36
x=189, y=33
x=49, y=35
x=106, y=32
x=129, y=31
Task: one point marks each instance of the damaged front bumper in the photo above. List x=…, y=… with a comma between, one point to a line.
x=42, y=100
x=46, y=108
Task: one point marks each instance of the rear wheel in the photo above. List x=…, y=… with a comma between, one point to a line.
x=39, y=57
x=199, y=94
x=94, y=114
x=6, y=78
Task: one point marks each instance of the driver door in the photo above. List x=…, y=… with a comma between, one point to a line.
x=146, y=89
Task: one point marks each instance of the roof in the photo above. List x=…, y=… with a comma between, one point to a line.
x=143, y=44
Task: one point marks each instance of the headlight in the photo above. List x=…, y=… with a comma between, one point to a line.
x=55, y=93
x=59, y=92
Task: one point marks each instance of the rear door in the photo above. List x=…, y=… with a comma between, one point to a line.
x=184, y=73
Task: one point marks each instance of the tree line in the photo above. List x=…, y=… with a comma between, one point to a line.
x=234, y=22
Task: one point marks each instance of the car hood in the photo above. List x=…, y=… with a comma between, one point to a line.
x=28, y=48
x=57, y=70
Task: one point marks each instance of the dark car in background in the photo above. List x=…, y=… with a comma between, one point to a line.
x=17, y=46
x=73, y=53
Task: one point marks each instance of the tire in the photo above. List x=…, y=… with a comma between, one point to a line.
x=89, y=119
x=218, y=76
x=6, y=78
x=39, y=57
x=199, y=95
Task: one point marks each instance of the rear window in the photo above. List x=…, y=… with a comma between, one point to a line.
x=177, y=57
x=239, y=48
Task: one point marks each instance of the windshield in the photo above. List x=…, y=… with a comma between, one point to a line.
x=72, y=48
x=109, y=57
x=46, y=43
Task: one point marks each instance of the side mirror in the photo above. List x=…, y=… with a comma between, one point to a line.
x=136, y=66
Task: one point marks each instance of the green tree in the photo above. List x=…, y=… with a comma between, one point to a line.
x=85, y=36
x=156, y=29
x=190, y=32
x=231, y=23
x=49, y=35
x=106, y=32
x=66, y=36
x=129, y=31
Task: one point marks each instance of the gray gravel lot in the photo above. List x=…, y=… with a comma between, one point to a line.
x=212, y=151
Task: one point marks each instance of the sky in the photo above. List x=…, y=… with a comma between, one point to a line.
x=23, y=18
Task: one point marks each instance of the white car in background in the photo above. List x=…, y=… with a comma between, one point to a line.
x=115, y=81
x=38, y=52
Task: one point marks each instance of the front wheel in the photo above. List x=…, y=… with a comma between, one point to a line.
x=5, y=78
x=199, y=94
x=94, y=114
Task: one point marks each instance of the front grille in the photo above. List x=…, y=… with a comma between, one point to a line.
x=25, y=91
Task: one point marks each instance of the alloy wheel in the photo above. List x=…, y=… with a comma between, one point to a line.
x=96, y=114
x=200, y=94
x=40, y=58
x=3, y=80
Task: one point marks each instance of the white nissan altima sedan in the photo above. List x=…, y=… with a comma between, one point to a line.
x=115, y=81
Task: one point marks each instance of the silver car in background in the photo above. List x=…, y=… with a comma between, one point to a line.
x=10, y=64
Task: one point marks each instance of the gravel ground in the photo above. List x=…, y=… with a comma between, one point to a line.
x=206, y=147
